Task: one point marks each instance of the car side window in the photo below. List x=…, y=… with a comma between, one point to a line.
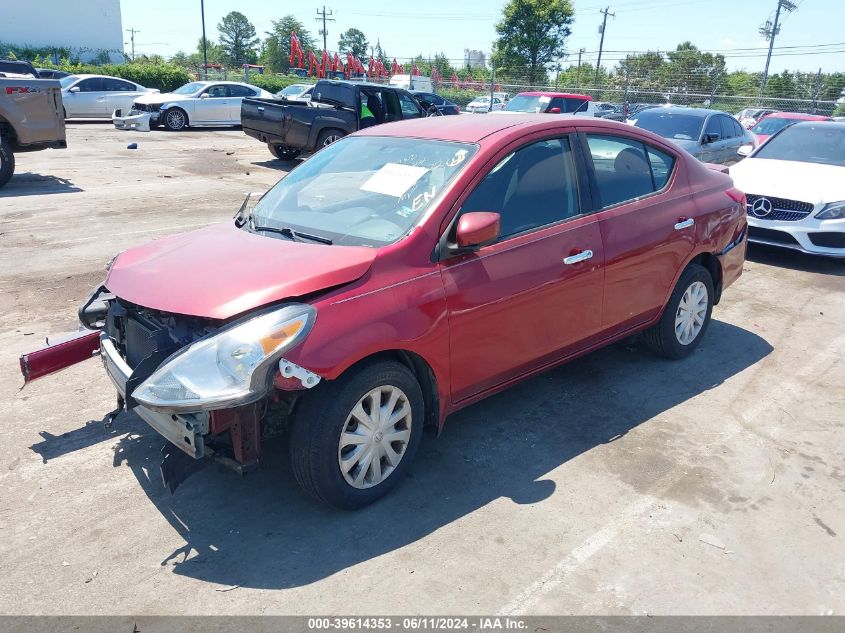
x=532, y=187
x=216, y=91
x=392, y=109
x=661, y=166
x=94, y=84
x=117, y=85
x=738, y=131
x=727, y=127
x=240, y=91
x=623, y=171
x=713, y=126
x=410, y=110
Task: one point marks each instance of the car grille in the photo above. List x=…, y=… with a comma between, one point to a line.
x=828, y=240
x=782, y=209
x=771, y=236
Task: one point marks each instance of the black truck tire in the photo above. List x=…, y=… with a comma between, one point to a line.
x=7, y=164
x=329, y=136
x=282, y=152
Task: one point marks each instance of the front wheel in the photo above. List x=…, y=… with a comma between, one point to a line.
x=327, y=137
x=352, y=439
x=282, y=152
x=175, y=119
x=7, y=164
x=686, y=316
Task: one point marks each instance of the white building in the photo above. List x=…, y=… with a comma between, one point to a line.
x=87, y=27
x=474, y=59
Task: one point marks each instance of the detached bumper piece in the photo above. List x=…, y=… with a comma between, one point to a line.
x=78, y=347
x=139, y=121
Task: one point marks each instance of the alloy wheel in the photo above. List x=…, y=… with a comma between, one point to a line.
x=175, y=120
x=692, y=310
x=331, y=139
x=375, y=437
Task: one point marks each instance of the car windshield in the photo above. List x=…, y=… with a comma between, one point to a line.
x=674, y=125
x=770, y=125
x=189, y=89
x=363, y=191
x=822, y=143
x=67, y=81
x=527, y=103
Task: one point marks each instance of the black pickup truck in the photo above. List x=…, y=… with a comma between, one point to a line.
x=290, y=128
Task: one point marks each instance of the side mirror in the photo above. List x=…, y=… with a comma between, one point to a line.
x=205, y=95
x=477, y=229
x=745, y=150
x=554, y=110
x=74, y=90
x=711, y=138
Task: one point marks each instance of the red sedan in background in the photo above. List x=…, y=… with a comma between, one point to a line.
x=401, y=274
x=774, y=123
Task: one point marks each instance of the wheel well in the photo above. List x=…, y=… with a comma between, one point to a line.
x=7, y=132
x=711, y=263
x=182, y=110
x=421, y=370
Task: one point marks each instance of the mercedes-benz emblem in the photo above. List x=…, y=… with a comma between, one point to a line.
x=761, y=207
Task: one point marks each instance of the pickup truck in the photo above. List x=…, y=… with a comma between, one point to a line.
x=31, y=119
x=290, y=128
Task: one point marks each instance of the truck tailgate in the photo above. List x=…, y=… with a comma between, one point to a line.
x=263, y=119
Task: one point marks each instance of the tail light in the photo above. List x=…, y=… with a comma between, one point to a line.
x=736, y=195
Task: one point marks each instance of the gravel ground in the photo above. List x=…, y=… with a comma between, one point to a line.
x=617, y=484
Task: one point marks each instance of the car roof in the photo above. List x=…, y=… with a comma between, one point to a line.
x=828, y=125
x=798, y=115
x=700, y=112
x=565, y=95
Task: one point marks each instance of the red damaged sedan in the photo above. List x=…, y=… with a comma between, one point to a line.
x=400, y=274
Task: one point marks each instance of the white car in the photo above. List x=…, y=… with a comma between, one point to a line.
x=296, y=92
x=198, y=103
x=97, y=96
x=795, y=188
x=482, y=104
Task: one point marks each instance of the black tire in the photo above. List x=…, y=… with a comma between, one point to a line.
x=175, y=119
x=327, y=137
x=283, y=153
x=7, y=163
x=321, y=417
x=662, y=337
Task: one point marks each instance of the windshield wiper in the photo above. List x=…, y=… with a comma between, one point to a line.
x=293, y=235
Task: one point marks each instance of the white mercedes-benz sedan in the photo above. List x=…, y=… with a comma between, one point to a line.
x=795, y=188
x=199, y=103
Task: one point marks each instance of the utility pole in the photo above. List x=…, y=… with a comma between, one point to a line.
x=817, y=88
x=132, y=40
x=578, y=72
x=606, y=12
x=322, y=16
x=204, y=55
x=770, y=31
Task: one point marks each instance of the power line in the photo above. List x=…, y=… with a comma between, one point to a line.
x=322, y=15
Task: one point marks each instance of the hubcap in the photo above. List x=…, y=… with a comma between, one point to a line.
x=691, y=313
x=175, y=119
x=375, y=437
x=330, y=139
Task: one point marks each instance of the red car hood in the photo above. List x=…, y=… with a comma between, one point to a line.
x=221, y=271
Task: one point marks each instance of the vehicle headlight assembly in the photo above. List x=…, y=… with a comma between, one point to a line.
x=230, y=368
x=832, y=211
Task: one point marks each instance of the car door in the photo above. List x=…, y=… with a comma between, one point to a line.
x=86, y=99
x=236, y=97
x=410, y=108
x=714, y=152
x=535, y=295
x=120, y=94
x=212, y=106
x=646, y=221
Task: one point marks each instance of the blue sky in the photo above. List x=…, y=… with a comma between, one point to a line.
x=814, y=30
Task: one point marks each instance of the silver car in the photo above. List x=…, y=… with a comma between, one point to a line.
x=709, y=135
x=97, y=96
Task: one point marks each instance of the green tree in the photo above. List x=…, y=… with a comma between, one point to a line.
x=276, y=53
x=237, y=37
x=532, y=34
x=355, y=42
x=691, y=71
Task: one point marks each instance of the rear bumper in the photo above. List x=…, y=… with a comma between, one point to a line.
x=265, y=137
x=184, y=430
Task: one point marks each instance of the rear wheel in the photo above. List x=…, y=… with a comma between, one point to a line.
x=352, y=439
x=283, y=153
x=7, y=163
x=686, y=316
x=327, y=137
x=175, y=119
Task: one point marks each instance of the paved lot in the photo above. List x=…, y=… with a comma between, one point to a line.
x=620, y=483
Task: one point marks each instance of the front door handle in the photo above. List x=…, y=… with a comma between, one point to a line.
x=578, y=257
x=684, y=224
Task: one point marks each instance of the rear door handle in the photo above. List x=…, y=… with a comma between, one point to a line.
x=684, y=224
x=578, y=257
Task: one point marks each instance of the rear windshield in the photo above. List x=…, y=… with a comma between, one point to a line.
x=674, y=125
x=822, y=143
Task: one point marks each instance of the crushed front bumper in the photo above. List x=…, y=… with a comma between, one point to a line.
x=184, y=430
x=139, y=121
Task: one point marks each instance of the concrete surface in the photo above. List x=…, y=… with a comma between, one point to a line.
x=618, y=484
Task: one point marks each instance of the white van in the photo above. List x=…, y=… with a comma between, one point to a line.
x=412, y=82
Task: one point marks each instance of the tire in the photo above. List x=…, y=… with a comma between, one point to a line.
x=316, y=448
x=283, y=153
x=7, y=164
x=175, y=119
x=327, y=137
x=671, y=340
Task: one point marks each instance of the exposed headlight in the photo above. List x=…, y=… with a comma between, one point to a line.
x=230, y=368
x=832, y=211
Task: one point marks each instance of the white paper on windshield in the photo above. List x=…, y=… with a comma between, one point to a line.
x=394, y=179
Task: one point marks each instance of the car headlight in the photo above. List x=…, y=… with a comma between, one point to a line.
x=229, y=368
x=832, y=211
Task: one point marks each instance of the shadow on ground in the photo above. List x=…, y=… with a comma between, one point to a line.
x=796, y=260
x=32, y=184
x=261, y=531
